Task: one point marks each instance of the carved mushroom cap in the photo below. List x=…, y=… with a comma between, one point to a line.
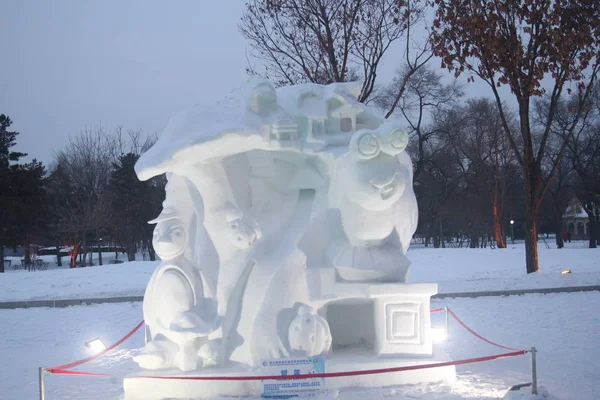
x=236, y=124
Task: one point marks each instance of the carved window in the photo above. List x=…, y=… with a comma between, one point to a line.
x=580, y=228
x=346, y=124
x=284, y=136
x=317, y=128
x=571, y=227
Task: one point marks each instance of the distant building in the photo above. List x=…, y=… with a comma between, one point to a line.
x=576, y=221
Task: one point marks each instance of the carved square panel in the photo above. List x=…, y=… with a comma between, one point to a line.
x=403, y=323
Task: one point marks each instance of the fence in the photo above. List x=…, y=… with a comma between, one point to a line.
x=66, y=369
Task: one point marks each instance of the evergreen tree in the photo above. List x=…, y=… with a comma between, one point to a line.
x=22, y=194
x=134, y=204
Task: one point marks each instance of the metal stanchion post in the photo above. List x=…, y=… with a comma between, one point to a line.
x=447, y=324
x=533, y=372
x=42, y=388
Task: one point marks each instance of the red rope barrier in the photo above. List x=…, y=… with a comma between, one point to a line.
x=477, y=334
x=56, y=371
x=90, y=358
x=309, y=376
x=64, y=369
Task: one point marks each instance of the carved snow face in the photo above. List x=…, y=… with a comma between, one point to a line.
x=376, y=184
x=309, y=334
x=169, y=238
x=371, y=175
x=243, y=234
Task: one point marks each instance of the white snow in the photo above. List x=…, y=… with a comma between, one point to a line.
x=470, y=270
x=563, y=327
x=455, y=270
x=111, y=280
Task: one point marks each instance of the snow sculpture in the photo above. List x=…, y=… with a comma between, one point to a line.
x=174, y=306
x=309, y=334
x=284, y=233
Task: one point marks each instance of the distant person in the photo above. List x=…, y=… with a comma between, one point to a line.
x=565, y=236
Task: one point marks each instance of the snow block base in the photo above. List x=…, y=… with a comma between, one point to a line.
x=162, y=389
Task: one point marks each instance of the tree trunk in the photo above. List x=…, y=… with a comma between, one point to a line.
x=593, y=231
x=58, y=257
x=443, y=243
x=498, y=236
x=474, y=242
x=27, y=254
x=559, y=234
x=1, y=259
x=151, y=251
x=531, y=239
x=131, y=250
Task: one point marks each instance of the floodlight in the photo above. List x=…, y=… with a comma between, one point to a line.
x=566, y=271
x=438, y=334
x=512, y=221
x=96, y=346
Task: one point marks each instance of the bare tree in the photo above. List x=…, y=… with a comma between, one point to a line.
x=82, y=171
x=424, y=95
x=326, y=41
x=584, y=154
x=485, y=155
x=519, y=43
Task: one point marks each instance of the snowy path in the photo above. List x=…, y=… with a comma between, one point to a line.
x=58, y=303
x=563, y=327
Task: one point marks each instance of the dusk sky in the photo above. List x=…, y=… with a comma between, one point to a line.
x=74, y=63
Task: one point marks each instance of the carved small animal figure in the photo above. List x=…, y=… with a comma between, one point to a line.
x=309, y=333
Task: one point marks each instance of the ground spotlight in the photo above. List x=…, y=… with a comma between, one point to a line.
x=439, y=334
x=96, y=346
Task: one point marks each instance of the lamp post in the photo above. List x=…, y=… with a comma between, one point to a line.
x=512, y=230
x=100, y=252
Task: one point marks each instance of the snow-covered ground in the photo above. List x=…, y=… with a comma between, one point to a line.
x=455, y=270
x=109, y=280
x=471, y=270
x=563, y=327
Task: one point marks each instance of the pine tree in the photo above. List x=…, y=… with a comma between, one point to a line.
x=22, y=194
x=134, y=204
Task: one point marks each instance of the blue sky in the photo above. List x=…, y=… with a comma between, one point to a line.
x=69, y=64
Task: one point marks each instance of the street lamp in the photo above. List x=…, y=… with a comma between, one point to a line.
x=100, y=251
x=512, y=230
